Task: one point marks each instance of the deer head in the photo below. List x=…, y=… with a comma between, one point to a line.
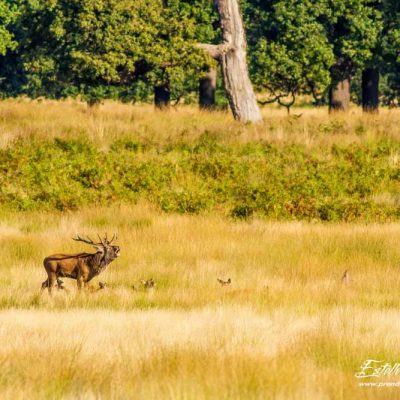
x=103, y=246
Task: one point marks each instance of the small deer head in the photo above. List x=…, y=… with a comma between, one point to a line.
x=224, y=282
x=148, y=284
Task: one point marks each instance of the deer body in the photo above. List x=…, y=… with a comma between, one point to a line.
x=82, y=266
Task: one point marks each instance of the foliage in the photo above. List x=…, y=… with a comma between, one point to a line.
x=6, y=16
x=171, y=31
x=390, y=49
x=354, y=28
x=73, y=47
x=100, y=49
x=105, y=49
x=285, y=182
x=302, y=46
x=290, y=52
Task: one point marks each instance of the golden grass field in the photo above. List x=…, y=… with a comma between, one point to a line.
x=286, y=328
x=111, y=121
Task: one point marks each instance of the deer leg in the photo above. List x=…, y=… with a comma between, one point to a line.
x=45, y=284
x=80, y=282
x=52, y=281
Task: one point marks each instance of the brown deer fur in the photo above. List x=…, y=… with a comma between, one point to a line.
x=82, y=266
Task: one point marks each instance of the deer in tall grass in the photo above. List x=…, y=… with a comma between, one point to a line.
x=81, y=266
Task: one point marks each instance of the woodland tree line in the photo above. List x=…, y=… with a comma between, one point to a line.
x=170, y=50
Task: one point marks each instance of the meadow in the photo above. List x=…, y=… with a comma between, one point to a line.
x=303, y=167
x=287, y=327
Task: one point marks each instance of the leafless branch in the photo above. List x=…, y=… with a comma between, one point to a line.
x=213, y=50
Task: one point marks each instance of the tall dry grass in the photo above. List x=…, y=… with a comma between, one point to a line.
x=213, y=353
x=286, y=328
x=111, y=121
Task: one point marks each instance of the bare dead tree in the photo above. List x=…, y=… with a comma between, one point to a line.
x=232, y=55
x=278, y=98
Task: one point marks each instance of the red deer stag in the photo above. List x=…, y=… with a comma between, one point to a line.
x=82, y=266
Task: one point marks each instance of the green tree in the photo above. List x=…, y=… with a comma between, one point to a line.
x=7, y=14
x=108, y=48
x=7, y=39
x=306, y=46
x=76, y=47
x=353, y=28
x=173, y=29
x=290, y=52
x=391, y=49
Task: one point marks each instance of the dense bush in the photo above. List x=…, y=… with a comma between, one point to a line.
x=353, y=182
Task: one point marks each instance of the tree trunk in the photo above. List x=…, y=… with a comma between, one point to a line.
x=207, y=87
x=339, y=96
x=237, y=82
x=370, y=90
x=162, y=96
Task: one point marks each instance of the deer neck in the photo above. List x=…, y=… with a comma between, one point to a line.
x=100, y=262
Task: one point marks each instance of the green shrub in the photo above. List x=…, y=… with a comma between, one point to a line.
x=285, y=181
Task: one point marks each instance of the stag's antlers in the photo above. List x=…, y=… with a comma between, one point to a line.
x=106, y=241
x=88, y=240
x=103, y=242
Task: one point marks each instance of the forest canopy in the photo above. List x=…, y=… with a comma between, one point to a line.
x=144, y=51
